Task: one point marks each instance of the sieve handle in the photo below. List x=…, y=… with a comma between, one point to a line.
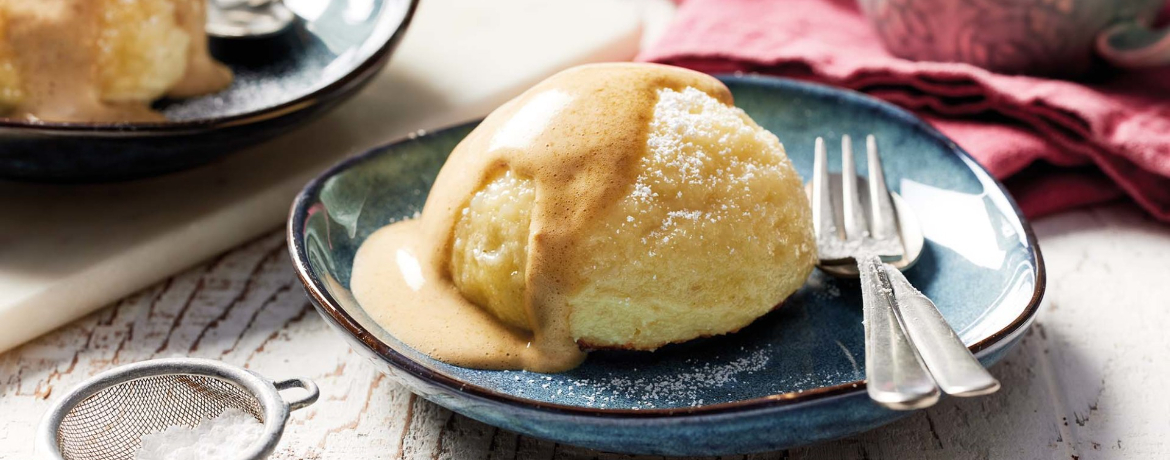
x=304, y=384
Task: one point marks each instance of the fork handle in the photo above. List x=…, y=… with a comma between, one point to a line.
x=950, y=362
x=894, y=375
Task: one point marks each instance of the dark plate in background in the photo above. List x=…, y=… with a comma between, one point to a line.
x=336, y=47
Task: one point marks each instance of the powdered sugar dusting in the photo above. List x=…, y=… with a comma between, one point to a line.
x=684, y=389
x=691, y=159
x=225, y=436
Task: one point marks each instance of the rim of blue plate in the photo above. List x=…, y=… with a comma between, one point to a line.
x=344, y=320
x=178, y=127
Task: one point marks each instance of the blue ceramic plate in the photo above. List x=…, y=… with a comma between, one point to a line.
x=792, y=377
x=333, y=50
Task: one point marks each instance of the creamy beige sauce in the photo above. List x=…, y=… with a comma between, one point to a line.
x=579, y=136
x=204, y=74
x=52, y=44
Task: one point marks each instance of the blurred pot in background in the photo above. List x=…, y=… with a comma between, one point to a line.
x=1038, y=37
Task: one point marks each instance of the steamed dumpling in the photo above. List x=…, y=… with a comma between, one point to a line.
x=102, y=60
x=714, y=232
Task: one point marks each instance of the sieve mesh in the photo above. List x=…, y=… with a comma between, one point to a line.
x=110, y=424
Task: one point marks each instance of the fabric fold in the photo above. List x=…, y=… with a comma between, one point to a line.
x=1113, y=128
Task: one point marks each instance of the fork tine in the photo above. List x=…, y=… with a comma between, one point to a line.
x=822, y=204
x=832, y=249
x=855, y=225
x=884, y=222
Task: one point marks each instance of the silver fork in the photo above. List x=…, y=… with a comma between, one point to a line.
x=899, y=374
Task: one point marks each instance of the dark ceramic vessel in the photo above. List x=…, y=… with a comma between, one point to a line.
x=793, y=377
x=281, y=82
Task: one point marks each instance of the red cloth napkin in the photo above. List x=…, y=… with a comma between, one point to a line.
x=1056, y=144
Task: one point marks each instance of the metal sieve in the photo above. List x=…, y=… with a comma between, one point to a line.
x=105, y=417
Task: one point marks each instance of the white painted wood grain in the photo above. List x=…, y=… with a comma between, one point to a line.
x=1085, y=383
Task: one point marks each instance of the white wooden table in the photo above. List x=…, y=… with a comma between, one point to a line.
x=1087, y=382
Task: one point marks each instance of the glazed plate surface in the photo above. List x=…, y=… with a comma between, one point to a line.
x=334, y=48
x=792, y=377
